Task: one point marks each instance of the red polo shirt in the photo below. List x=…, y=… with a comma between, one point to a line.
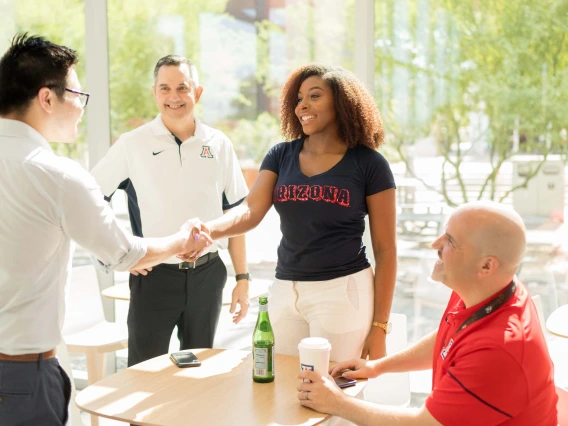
x=497, y=370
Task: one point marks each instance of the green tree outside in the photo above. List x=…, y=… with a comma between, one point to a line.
x=503, y=59
x=62, y=22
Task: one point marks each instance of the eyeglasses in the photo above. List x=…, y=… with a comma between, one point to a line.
x=83, y=97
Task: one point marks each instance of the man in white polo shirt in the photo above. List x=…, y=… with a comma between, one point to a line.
x=174, y=168
x=47, y=201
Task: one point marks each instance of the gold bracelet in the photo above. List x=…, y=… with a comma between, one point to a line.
x=386, y=326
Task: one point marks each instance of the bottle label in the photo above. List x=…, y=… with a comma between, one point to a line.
x=261, y=362
x=263, y=308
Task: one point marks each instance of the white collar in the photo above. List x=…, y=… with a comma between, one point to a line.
x=159, y=128
x=19, y=129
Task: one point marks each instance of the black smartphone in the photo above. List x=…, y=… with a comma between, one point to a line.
x=344, y=382
x=185, y=359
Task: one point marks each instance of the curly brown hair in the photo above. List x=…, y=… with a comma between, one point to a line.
x=358, y=118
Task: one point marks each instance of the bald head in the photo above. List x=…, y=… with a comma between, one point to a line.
x=494, y=230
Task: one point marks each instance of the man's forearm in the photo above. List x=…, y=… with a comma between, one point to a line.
x=365, y=413
x=238, y=253
x=160, y=249
x=415, y=357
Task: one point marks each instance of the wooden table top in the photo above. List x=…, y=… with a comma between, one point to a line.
x=557, y=322
x=257, y=288
x=220, y=392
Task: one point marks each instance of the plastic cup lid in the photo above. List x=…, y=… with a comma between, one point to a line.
x=314, y=343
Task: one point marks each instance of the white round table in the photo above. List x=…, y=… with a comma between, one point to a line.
x=557, y=322
x=257, y=288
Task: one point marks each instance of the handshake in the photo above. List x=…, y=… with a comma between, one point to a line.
x=197, y=239
x=190, y=242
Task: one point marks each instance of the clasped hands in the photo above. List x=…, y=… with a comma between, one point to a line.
x=196, y=240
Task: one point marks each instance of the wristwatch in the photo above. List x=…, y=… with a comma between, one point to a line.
x=386, y=326
x=246, y=276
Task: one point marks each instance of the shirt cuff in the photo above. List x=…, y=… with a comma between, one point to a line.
x=126, y=262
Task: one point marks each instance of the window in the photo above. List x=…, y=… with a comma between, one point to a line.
x=62, y=22
x=244, y=51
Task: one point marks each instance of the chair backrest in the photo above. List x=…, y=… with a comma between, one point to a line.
x=562, y=406
x=392, y=389
x=557, y=348
x=541, y=279
x=398, y=339
x=538, y=304
x=84, y=306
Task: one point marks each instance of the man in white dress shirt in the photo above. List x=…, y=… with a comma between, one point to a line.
x=48, y=201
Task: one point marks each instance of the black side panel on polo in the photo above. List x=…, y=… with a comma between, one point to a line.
x=133, y=209
x=227, y=206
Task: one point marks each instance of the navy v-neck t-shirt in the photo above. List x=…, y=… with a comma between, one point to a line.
x=322, y=218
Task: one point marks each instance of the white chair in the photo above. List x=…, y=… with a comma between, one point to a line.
x=541, y=280
x=537, y=300
x=392, y=388
x=85, y=329
x=428, y=293
x=557, y=348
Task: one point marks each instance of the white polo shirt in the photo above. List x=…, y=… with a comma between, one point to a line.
x=173, y=183
x=47, y=201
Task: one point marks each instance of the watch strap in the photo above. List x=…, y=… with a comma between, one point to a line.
x=239, y=277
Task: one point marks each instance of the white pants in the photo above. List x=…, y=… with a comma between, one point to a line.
x=341, y=310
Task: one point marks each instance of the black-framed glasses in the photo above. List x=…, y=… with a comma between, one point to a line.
x=83, y=96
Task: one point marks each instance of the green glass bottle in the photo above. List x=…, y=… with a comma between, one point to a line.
x=263, y=346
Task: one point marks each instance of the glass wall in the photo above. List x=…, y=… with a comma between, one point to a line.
x=468, y=80
x=244, y=50
x=62, y=22
x=474, y=108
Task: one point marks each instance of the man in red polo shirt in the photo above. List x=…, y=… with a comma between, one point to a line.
x=489, y=356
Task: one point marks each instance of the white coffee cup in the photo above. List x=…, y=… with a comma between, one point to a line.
x=314, y=354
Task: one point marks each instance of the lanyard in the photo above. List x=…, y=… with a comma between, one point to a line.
x=482, y=312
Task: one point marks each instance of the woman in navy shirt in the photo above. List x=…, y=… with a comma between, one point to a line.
x=322, y=184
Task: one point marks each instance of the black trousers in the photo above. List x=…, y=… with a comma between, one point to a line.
x=188, y=298
x=33, y=393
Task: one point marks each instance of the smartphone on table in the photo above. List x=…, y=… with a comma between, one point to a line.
x=344, y=382
x=185, y=359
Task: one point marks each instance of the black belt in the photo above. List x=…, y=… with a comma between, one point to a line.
x=192, y=265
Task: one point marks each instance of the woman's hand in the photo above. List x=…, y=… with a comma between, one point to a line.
x=375, y=345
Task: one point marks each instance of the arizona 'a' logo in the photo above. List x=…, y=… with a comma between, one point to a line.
x=206, y=152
